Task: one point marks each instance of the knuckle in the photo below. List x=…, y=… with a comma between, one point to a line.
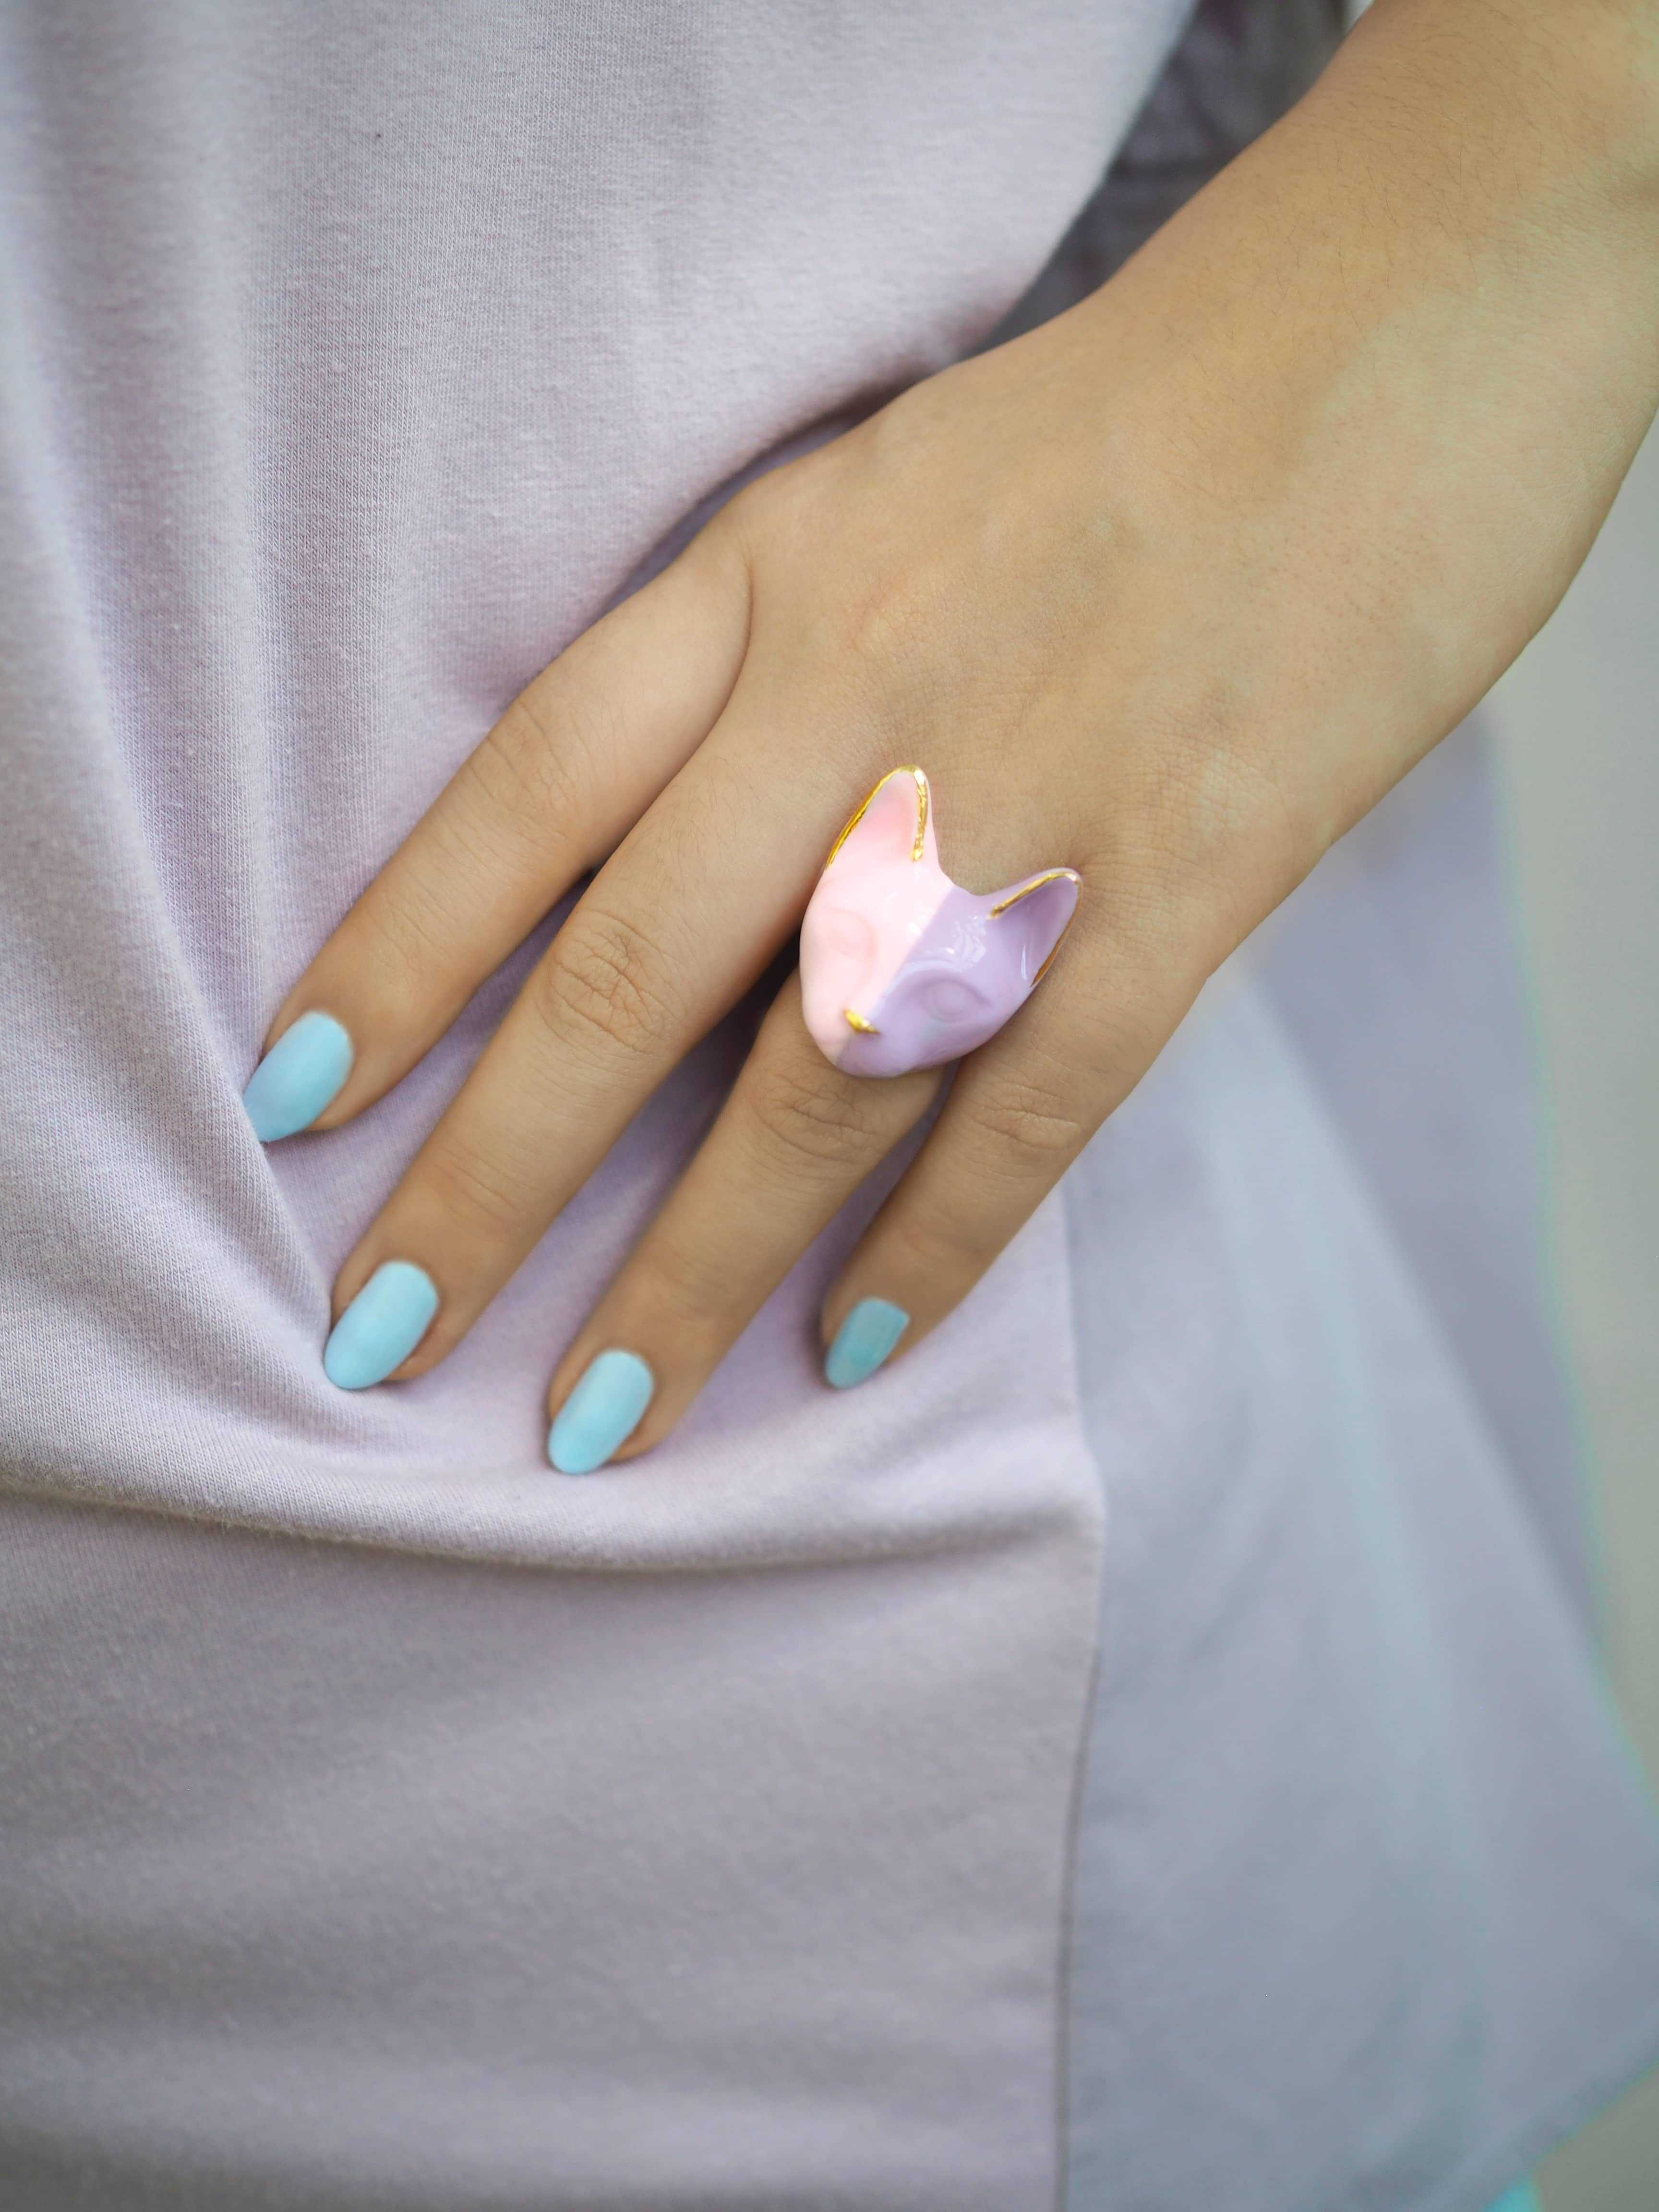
x=474, y=1187
x=756, y=511
x=773, y=509
x=888, y=617
x=395, y=946
x=949, y=1245
x=415, y=927
x=689, y=1289
x=801, y=1119
x=1033, y=1126
x=604, y=981
x=529, y=773
x=1211, y=834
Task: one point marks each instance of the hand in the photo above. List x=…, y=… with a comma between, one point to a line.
x=1169, y=593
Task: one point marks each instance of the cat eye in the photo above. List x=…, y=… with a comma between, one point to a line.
x=849, y=933
x=947, y=999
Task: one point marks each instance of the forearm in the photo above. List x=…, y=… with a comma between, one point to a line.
x=1505, y=157
x=1561, y=93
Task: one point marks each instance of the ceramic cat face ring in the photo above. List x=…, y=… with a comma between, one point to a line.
x=901, y=968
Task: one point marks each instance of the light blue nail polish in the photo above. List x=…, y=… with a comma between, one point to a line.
x=602, y=1412
x=864, y=1341
x=303, y=1072
x=382, y=1326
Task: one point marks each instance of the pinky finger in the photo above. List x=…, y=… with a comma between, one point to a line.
x=1021, y=1110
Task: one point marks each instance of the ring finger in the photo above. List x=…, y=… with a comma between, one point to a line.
x=792, y=1142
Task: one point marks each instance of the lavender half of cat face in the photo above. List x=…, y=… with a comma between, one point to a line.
x=972, y=967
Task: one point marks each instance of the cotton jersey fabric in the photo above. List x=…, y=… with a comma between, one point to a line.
x=389, y=1822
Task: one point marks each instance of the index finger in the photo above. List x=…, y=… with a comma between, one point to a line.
x=576, y=758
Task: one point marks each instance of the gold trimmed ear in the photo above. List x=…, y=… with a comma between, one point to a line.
x=1049, y=876
x=1041, y=883
x=919, y=839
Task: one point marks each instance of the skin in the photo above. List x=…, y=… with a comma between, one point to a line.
x=1214, y=558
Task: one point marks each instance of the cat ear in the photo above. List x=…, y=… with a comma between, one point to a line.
x=1039, y=908
x=895, y=824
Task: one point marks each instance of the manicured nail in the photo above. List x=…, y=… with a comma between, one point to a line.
x=382, y=1326
x=304, y=1071
x=864, y=1341
x=602, y=1412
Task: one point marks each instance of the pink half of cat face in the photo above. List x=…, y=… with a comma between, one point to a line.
x=900, y=967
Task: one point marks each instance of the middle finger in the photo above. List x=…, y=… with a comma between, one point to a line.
x=793, y=1141
x=679, y=923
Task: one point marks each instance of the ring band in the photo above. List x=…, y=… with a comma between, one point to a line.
x=900, y=967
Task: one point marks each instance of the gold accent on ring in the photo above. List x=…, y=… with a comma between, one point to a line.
x=921, y=814
x=1050, y=961
x=1052, y=876
x=853, y=822
x=857, y=1022
x=863, y=808
x=1049, y=876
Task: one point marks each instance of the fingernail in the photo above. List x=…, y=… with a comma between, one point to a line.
x=863, y=1341
x=304, y=1071
x=382, y=1326
x=602, y=1412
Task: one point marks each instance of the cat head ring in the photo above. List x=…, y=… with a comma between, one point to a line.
x=901, y=968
